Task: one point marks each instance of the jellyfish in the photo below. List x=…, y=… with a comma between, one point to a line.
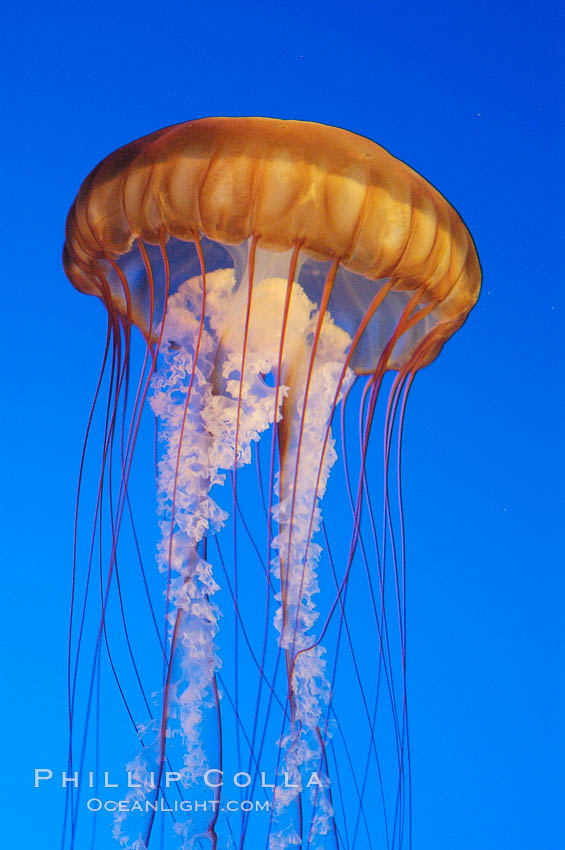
x=288, y=279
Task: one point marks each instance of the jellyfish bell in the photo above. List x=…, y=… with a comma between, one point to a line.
x=268, y=264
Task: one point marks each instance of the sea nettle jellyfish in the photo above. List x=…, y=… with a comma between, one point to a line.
x=268, y=264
